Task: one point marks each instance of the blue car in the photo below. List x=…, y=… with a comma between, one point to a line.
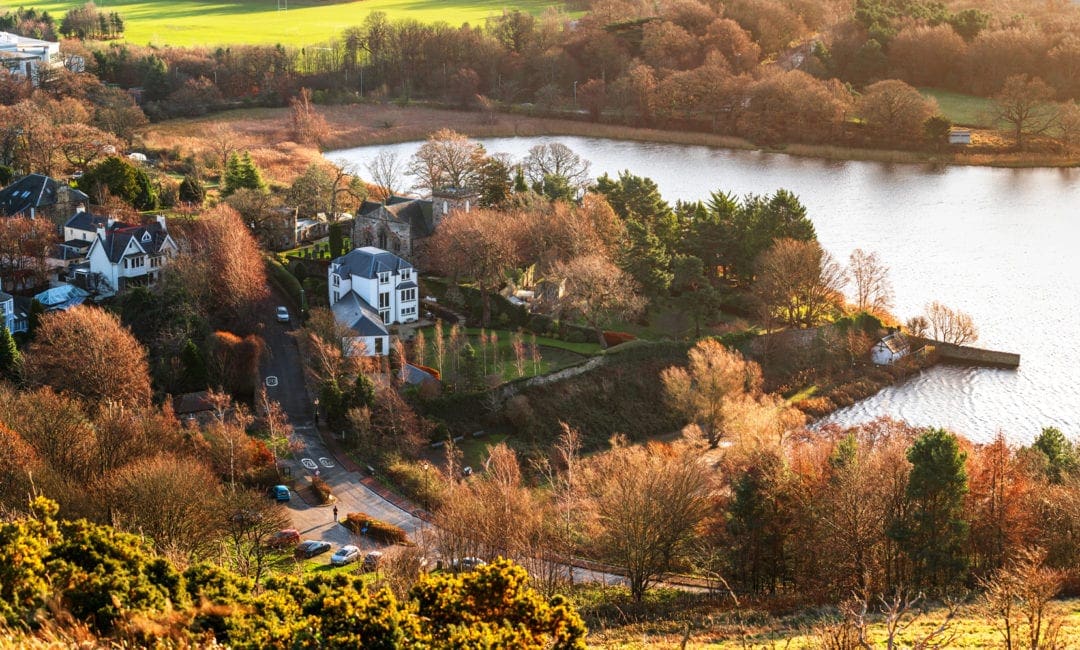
x=280, y=493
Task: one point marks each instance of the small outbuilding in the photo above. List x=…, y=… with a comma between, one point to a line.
x=890, y=349
x=960, y=136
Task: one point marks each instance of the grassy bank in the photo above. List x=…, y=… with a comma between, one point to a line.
x=668, y=616
x=266, y=132
x=285, y=22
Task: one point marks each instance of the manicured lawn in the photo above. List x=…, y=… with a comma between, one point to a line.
x=966, y=110
x=474, y=451
x=554, y=354
x=306, y=22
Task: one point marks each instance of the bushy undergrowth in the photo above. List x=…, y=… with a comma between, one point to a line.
x=380, y=531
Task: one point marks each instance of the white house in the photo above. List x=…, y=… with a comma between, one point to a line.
x=12, y=321
x=890, y=349
x=124, y=256
x=960, y=136
x=23, y=56
x=369, y=289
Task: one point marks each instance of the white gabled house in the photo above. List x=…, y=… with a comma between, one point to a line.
x=890, y=349
x=369, y=289
x=128, y=256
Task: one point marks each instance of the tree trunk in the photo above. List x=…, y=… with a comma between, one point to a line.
x=600, y=337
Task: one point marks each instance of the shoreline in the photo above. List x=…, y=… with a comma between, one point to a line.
x=359, y=125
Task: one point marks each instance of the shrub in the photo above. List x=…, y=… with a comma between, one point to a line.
x=418, y=481
x=611, y=339
x=322, y=490
x=380, y=531
x=576, y=336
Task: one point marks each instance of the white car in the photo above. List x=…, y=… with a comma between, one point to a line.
x=345, y=555
x=282, y=314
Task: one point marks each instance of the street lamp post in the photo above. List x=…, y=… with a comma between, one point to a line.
x=575, y=93
x=316, y=401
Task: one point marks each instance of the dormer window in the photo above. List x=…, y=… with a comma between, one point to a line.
x=384, y=277
x=337, y=280
x=405, y=274
x=146, y=236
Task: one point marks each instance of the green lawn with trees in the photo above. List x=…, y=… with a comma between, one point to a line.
x=963, y=110
x=304, y=22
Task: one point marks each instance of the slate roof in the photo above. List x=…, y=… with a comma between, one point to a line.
x=358, y=315
x=417, y=213
x=83, y=220
x=33, y=191
x=407, y=285
x=368, y=262
x=150, y=237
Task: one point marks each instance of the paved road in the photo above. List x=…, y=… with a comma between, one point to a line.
x=284, y=370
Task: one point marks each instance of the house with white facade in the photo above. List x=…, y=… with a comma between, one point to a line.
x=369, y=289
x=122, y=256
x=890, y=349
x=14, y=319
x=23, y=56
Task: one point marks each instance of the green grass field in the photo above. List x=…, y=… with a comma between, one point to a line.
x=965, y=110
x=306, y=22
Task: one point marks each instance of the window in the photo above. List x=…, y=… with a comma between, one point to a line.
x=385, y=316
x=336, y=296
x=384, y=278
x=405, y=275
x=384, y=300
x=336, y=280
x=408, y=294
x=378, y=345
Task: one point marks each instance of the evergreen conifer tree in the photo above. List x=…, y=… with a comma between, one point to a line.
x=10, y=357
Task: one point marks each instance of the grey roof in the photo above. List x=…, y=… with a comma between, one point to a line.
x=414, y=375
x=417, y=213
x=33, y=191
x=368, y=262
x=896, y=343
x=150, y=237
x=354, y=312
x=407, y=285
x=83, y=220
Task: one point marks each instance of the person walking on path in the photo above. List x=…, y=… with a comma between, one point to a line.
x=335, y=514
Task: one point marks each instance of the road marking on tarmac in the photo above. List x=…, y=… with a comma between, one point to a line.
x=326, y=462
x=308, y=463
x=271, y=380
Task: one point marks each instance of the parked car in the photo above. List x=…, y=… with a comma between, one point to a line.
x=310, y=548
x=283, y=538
x=282, y=314
x=467, y=564
x=345, y=555
x=371, y=560
x=280, y=493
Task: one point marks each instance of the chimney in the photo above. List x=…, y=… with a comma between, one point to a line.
x=110, y=222
x=101, y=233
x=161, y=221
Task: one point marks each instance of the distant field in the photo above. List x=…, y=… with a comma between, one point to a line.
x=189, y=22
x=966, y=110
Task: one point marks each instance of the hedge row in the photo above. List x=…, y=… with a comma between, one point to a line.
x=380, y=531
x=322, y=490
x=284, y=280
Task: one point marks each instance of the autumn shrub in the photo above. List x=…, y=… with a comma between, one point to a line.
x=380, y=531
x=322, y=489
x=420, y=482
x=611, y=339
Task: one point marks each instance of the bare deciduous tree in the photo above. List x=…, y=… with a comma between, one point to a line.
x=950, y=325
x=873, y=291
x=308, y=125
x=387, y=173
x=556, y=159
x=597, y=291
x=1017, y=597
x=798, y=282
x=1024, y=104
x=447, y=160
x=645, y=503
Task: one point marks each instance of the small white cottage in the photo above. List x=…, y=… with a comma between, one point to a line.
x=890, y=349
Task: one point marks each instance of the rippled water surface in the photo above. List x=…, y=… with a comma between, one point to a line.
x=1000, y=244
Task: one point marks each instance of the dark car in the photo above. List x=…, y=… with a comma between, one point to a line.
x=280, y=493
x=284, y=538
x=371, y=560
x=311, y=548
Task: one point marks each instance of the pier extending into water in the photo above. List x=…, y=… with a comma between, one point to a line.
x=969, y=356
